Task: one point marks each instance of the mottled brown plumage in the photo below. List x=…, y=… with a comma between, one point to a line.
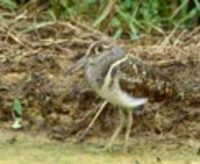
x=142, y=80
x=126, y=82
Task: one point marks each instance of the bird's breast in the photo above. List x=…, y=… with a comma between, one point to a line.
x=116, y=96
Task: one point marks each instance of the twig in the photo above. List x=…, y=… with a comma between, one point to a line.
x=89, y=29
x=166, y=40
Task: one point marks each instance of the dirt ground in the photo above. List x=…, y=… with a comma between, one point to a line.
x=28, y=147
x=58, y=106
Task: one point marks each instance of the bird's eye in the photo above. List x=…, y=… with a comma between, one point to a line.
x=98, y=50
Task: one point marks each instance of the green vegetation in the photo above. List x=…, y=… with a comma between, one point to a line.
x=118, y=18
x=17, y=107
x=130, y=17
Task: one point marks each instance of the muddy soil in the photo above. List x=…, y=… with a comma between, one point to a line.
x=29, y=147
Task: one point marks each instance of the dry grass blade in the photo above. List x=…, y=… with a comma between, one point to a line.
x=37, y=26
x=105, y=13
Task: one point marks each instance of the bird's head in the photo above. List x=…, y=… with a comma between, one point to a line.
x=99, y=61
x=96, y=51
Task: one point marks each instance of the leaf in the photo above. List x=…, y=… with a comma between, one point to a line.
x=9, y=4
x=118, y=33
x=134, y=32
x=115, y=22
x=197, y=5
x=17, y=106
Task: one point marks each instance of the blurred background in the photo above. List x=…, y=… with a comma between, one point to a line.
x=118, y=18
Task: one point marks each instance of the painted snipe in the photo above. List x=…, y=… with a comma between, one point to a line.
x=125, y=82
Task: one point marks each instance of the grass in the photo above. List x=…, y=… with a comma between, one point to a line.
x=131, y=18
x=121, y=18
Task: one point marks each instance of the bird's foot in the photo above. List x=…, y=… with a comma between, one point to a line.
x=108, y=148
x=112, y=148
x=125, y=149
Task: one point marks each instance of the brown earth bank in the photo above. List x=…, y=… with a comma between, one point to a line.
x=34, y=57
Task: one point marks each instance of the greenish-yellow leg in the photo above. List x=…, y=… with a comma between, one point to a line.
x=117, y=131
x=128, y=130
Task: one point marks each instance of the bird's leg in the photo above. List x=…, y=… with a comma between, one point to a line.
x=117, y=131
x=128, y=130
x=93, y=121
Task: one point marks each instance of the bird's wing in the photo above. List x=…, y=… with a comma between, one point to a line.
x=142, y=80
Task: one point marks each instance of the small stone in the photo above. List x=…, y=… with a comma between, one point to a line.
x=17, y=124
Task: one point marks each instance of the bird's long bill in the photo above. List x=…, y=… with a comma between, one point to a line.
x=76, y=66
x=80, y=63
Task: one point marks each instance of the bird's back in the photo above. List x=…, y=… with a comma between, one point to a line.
x=143, y=80
x=126, y=81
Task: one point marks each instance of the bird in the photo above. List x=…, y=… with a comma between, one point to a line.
x=126, y=82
